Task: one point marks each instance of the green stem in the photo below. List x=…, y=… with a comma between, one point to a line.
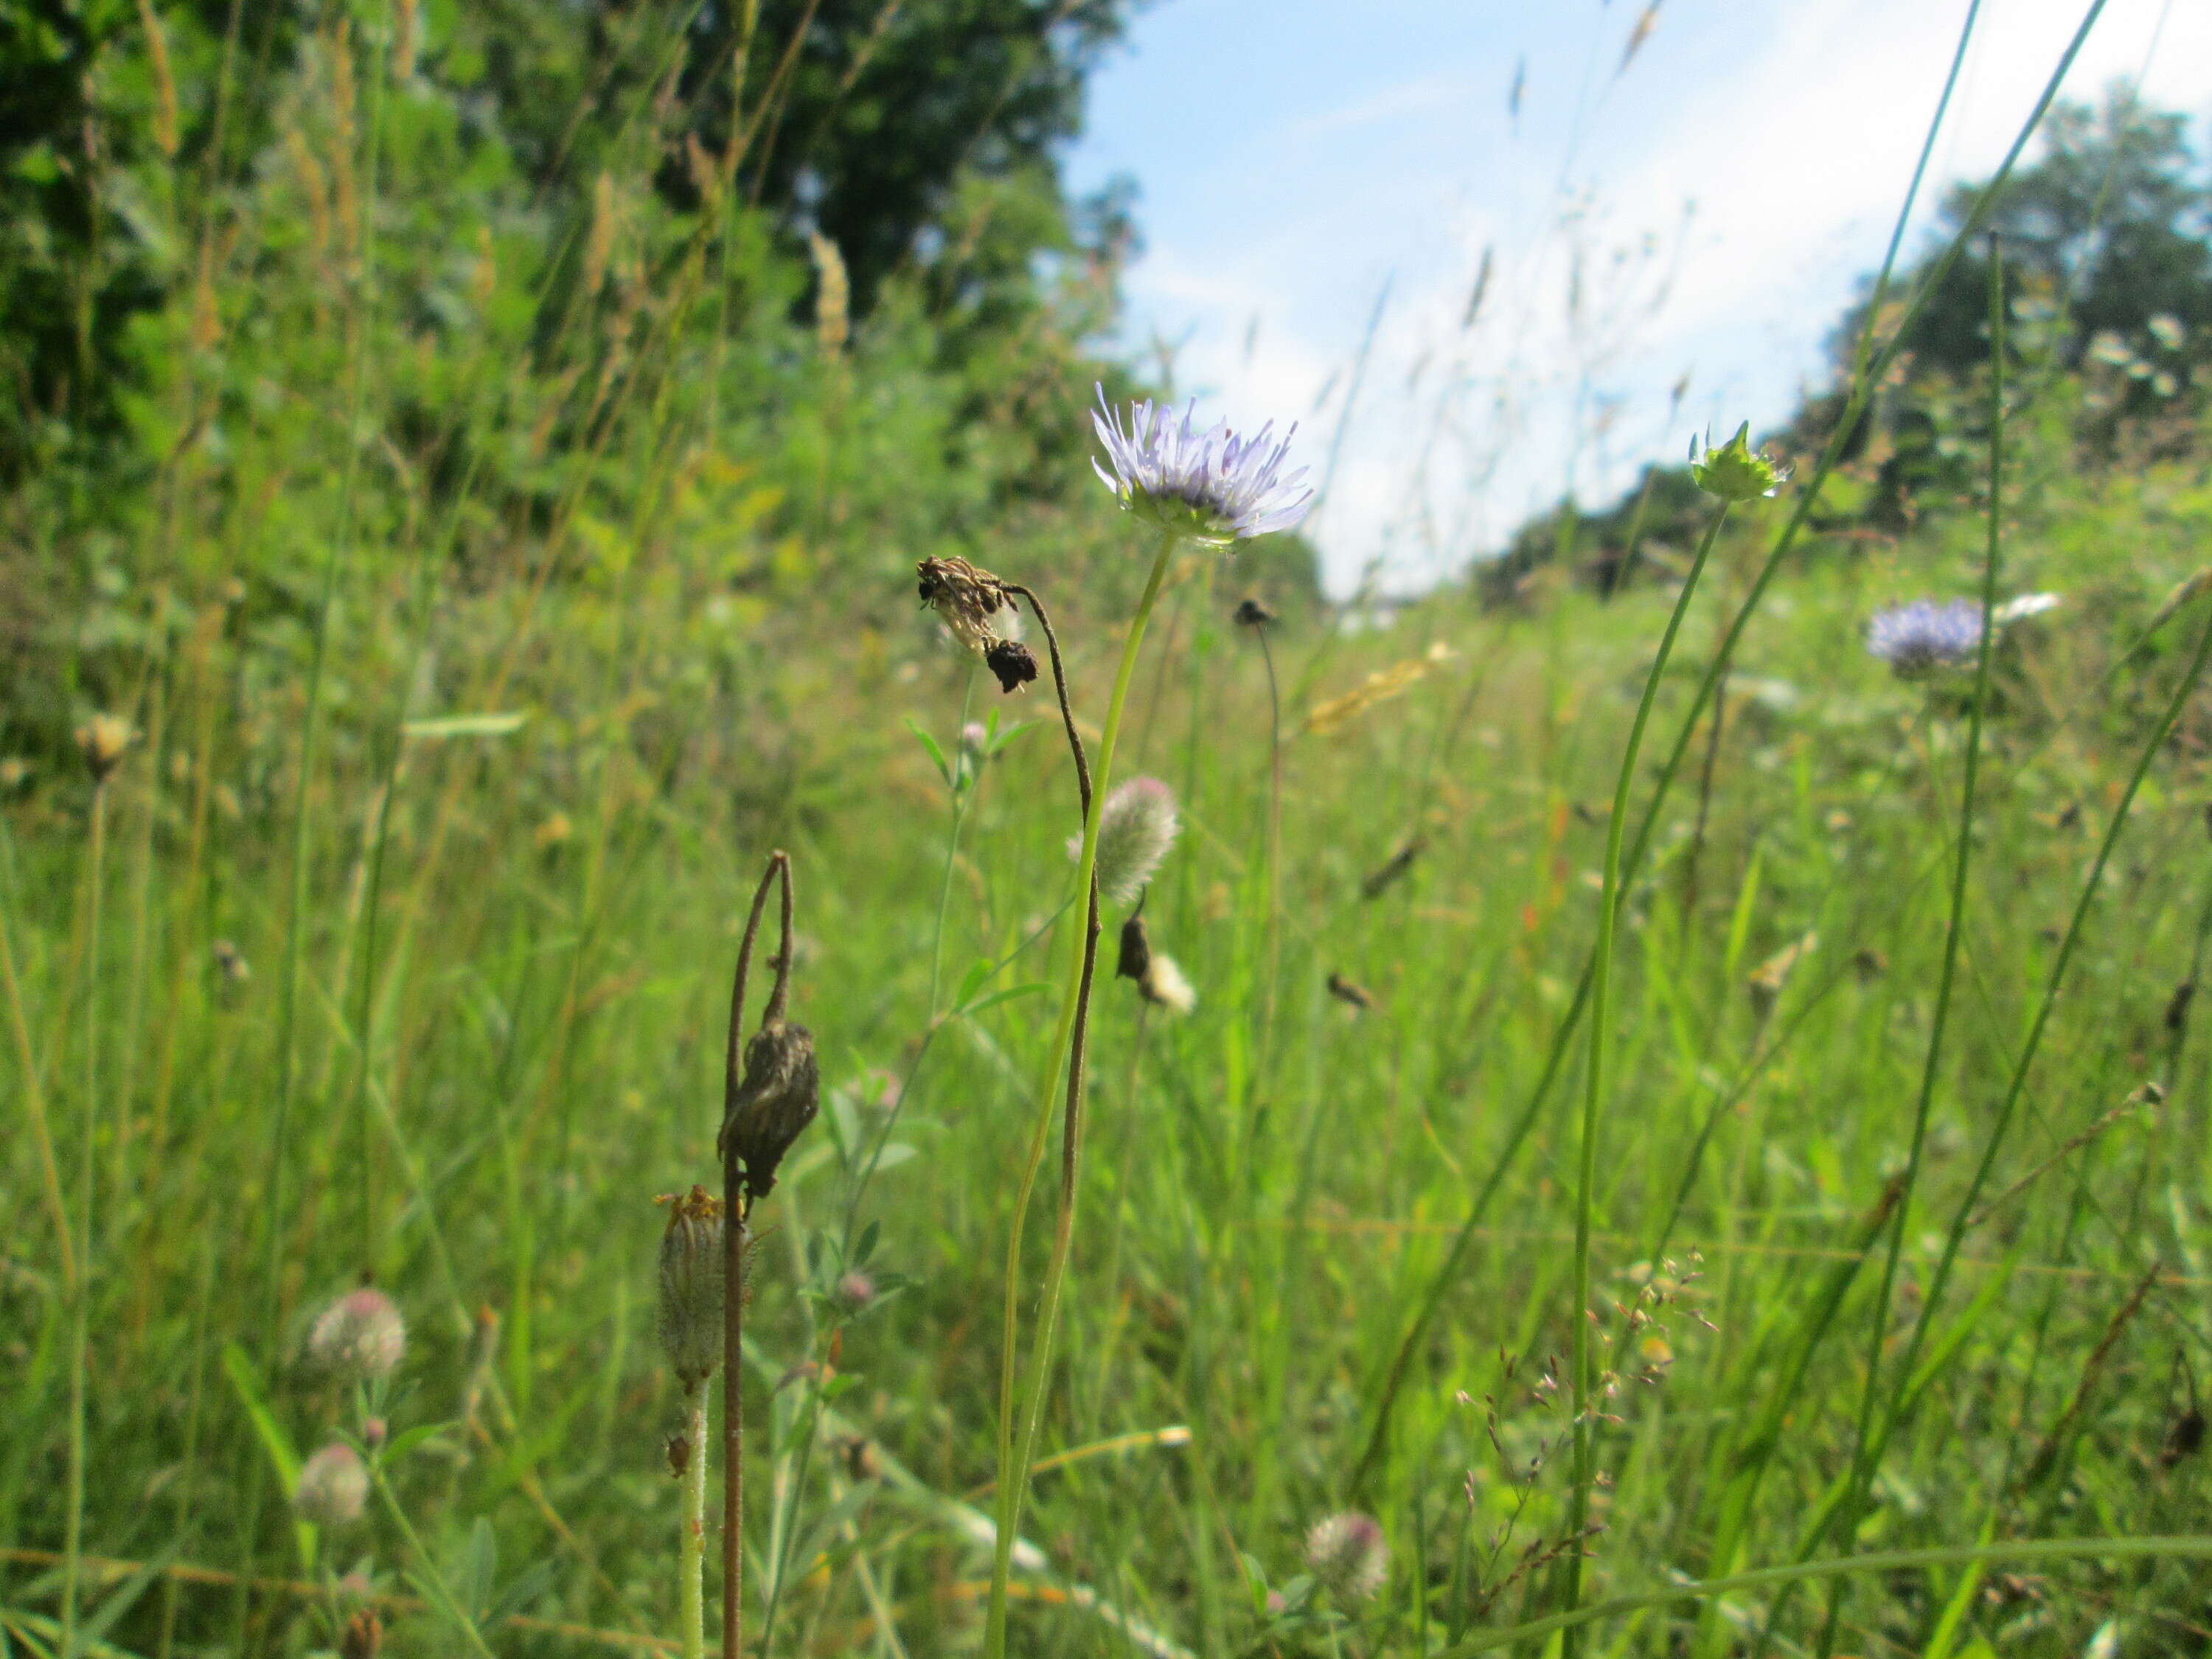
x=437, y=1591
x=960, y=794
x=1600, y=1031
x=1014, y=1462
x=81, y=1312
x=691, y=1545
x=1861, y=1469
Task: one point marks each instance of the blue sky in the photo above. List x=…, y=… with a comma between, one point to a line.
x=1708, y=206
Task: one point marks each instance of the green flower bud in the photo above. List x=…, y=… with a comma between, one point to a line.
x=1736, y=471
x=692, y=1276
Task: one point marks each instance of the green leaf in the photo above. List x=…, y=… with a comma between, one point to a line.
x=282, y=1455
x=480, y=1569
x=1007, y=993
x=865, y=1246
x=401, y=1445
x=936, y=753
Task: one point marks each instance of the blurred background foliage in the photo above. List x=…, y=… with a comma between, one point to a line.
x=474, y=301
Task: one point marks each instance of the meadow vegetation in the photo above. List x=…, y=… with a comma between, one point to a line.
x=466, y=472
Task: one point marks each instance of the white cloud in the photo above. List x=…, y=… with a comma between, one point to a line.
x=1794, y=136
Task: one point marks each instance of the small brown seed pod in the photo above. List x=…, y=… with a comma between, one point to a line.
x=1011, y=661
x=363, y=1638
x=775, y=1101
x=1135, y=960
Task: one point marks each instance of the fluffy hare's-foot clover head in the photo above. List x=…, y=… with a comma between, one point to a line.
x=1212, y=486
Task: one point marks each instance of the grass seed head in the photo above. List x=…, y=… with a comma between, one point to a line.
x=776, y=1100
x=689, y=1322
x=333, y=1486
x=360, y=1337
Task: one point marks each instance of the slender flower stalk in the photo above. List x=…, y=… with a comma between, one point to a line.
x=102, y=741
x=691, y=1549
x=1734, y=473
x=1213, y=489
x=770, y=1092
x=1015, y=1457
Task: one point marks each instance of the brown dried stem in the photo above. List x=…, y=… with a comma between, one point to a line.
x=1071, y=1136
x=734, y=1210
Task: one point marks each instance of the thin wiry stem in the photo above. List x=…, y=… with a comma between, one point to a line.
x=81, y=1298
x=733, y=1259
x=1014, y=1458
x=1274, y=843
x=1600, y=1031
x=692, y=1548
x=1954, y=928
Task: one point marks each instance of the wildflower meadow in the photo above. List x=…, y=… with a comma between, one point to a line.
x=716, y=936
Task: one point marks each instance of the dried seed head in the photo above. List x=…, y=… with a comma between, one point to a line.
x=2177, y=1006
x=1135, y=960
x=1165, y=987
x=102, y=740
x=1349, y=991
x=689, y=1318
x=965, y=597
x=862, y=1461
x=1348, y=1553
x=1010, y=659
x=1136, y=828
x=776, y=1100
x=2184, y=1438
x=363, y=1638
x=359, y=1337
x=333, y=1486
x=1250, y=613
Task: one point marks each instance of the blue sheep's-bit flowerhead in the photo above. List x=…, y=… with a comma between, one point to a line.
x=1915, y=638
x=1212, y=486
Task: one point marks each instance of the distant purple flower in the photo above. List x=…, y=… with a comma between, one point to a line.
x=1915, y=638
x=1212, y=486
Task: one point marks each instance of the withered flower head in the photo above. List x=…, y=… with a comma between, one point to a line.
x=102, y=740
x=776, y=1100
x=690, y=1319
x=1010, y=659
x=1135, y=960
x=1253, y=614
x=363, y=1638
x=966, y=598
